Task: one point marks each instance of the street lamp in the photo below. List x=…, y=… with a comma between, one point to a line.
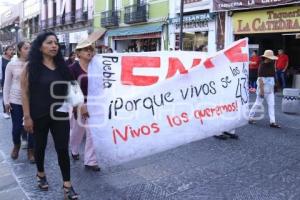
x=16, y=29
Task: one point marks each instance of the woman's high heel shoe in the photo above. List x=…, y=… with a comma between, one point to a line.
x=42, y=183
x=69, y=193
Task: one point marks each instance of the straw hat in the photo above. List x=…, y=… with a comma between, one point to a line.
x=90, y=40
x=269, y=54
x=84, y=43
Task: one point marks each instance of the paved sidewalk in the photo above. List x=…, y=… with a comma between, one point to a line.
x=264, y=164
x=9, y=186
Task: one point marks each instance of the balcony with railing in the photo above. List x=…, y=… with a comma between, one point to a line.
x=51, y=22
x=6, y=35
x=110, y=18
x=70, y=18
x=81, y=15
x=59, y=20
x=136, y=13
x=44, y=24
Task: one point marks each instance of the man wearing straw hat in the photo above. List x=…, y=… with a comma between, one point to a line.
x=265, y=89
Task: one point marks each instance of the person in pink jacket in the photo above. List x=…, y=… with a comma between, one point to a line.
x=12, y=98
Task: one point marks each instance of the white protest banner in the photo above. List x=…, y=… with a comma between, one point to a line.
x=145, y=103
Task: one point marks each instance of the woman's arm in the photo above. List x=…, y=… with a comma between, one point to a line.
x=28, y=123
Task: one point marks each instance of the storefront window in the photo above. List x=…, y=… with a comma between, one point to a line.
x=144, y=45
x=197, y=41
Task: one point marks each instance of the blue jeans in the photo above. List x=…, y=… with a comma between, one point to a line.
x=280, y=76
x=17, y=127
x=253, y=84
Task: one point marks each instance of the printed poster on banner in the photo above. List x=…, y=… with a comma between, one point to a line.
x=145, y=103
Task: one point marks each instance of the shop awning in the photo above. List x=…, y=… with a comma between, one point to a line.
x=96, y=35
x=9, y=22
x=140, y=36
x=136, y=30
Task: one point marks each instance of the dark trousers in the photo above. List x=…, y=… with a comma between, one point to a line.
x=17, y=126
x=60, y=130
x=280, y=76
x=253, y=77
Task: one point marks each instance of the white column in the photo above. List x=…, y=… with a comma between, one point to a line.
x=68, y=6
x=44, y=11
x=162, y=41
x=58, y=7
x=50, y=9
x=229, y=36
x=212, y=47
x=90, y=5
x=172, y=14
x=106, y=41
x=79, y=5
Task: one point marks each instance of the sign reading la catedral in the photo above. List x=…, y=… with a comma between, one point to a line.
x=221, y=5
x=267, y=21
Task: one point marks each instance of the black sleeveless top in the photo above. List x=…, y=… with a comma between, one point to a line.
x=40, y=97
x=266, y=70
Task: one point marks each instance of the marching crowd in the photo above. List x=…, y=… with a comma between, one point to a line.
x=29, y=101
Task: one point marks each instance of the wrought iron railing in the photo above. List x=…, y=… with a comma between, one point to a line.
x=136, y=13
x=110, y=18
x=81, y=15
x=70, y=18
x=50, y=23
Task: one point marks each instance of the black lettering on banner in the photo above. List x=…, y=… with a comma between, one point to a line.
x=150, y=103
x=235, y=71
x=196, y=91
x=241, y=90
x=108, y=76
x=225, y=82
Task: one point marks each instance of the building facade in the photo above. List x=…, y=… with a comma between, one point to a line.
x=268, y=25
x=199, y=26
x=133, y=25
x=10, y=31
x=30, y=19
x=71, y=20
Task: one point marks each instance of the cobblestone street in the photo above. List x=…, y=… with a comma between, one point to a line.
x=264, y=164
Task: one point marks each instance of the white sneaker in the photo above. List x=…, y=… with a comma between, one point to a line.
x=6, y=116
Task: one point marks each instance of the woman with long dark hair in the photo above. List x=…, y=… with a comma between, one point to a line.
x=13, y=100
x=42, y=96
